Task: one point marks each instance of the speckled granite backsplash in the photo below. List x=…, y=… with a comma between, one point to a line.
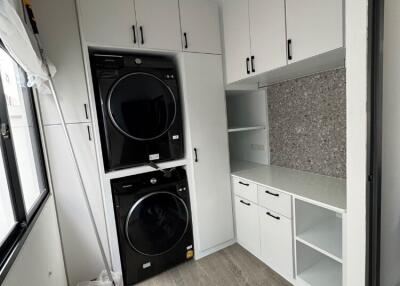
x=307, y=121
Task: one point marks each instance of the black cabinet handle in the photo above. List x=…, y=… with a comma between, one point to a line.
x=247, y=65
x=196, y=159
x=86, y=111
x=244, y=184
x=141, y=34
x=275, y=217
x=186, y=40
x=89, y=133
x=134, y=34
x=290, y=55
x=243, y=202
x=253, y=67
x=272, y=194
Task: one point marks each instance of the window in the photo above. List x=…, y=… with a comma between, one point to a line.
x=23, y=183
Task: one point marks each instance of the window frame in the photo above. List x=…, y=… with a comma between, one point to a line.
x=25, y=218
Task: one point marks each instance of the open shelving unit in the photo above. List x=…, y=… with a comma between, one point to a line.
x=248, y=131
x=319, y=250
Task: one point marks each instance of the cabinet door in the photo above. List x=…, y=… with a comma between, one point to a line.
x=59, y=34
x=314, y=27
x=159, y=26
x=82, y=256
x=237, y=39
x=268, y=34
x=108, y=22
x=247, y=225
x=206, y=108
x=200, y=26
x=276, y=242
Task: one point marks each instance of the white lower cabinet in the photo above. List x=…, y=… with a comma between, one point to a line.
x=247, y=225
x=81, y=252
x=276, y=242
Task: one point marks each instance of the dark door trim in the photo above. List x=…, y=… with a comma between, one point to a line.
x=374, y=160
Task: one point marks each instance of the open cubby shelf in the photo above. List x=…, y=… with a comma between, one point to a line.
x=315, y=268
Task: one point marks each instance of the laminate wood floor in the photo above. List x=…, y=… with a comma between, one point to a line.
x=232, y=266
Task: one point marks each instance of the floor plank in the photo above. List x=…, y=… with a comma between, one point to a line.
x=231, y=266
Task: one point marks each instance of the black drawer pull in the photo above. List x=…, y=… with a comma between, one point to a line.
x=253, y=67
x=290, y=53
x=142, y=34
x=275, y=217
x=247, y=65
x=244, y=184
x=186, y=40
x=134, y=34
x=243, y=202
x=272, y=194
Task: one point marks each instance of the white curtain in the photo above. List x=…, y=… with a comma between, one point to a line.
x=21, y=44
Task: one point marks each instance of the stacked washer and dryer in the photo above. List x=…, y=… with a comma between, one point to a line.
x=140, y=121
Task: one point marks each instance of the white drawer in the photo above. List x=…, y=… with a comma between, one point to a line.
x=278, y=202
x=245, y=189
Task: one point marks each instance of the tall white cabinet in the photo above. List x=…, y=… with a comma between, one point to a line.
x=82, y=255
x=204, y=100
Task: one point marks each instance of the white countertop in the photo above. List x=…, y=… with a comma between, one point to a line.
x=327, y=192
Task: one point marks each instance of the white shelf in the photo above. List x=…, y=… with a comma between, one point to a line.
x=248, y=128
x=325, y=272
x=239, y=165
x=325, y=237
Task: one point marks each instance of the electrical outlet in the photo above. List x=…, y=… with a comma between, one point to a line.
x=257, y=147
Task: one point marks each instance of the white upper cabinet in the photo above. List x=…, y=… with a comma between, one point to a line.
x=267, y=35
x=106, y=22
x=200, y=26
x=314, y=27
x=158, y=24
x=237, y=39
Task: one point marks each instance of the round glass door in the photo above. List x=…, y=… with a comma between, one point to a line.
x=141, y=106
x=156, y=223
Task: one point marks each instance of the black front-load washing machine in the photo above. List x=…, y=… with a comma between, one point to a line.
x=138, y=109
x=154, y=226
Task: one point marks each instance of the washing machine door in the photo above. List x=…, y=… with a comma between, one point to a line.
x=156, y=223
x=141, y=106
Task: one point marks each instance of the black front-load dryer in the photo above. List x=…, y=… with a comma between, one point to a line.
x=138, y=109
x=154, y=226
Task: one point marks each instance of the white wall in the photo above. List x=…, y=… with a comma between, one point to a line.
x=40, y=261
x=390, y=237
x=356, y=64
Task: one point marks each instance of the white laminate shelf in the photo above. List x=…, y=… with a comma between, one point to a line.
x=323, y=191
x=245, y=128
x=325, y=272
x=239, y=165
x=325, y=237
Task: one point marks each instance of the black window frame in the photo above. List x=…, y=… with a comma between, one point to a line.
x=25, y=219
